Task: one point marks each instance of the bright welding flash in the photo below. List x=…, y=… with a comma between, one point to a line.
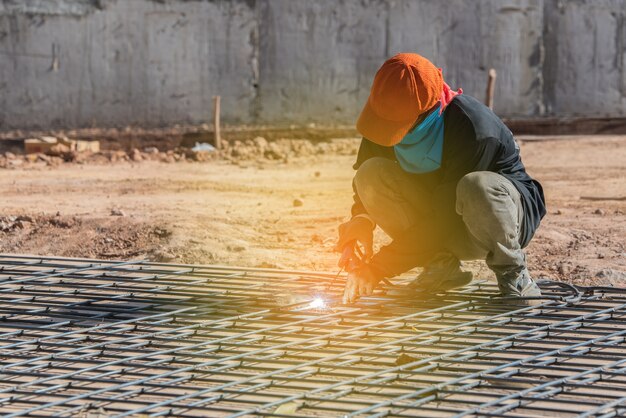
x=317, y=303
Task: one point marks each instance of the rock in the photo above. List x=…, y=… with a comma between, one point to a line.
x=16, y=162
x=317, y=174
x=192, y=155
x=598, y=212
x=57, y=150
x=260, y=142
x=198, y=155
x=243, y=152
x=274, y=152
x=118, y=155
x=297, y=202
x=164, y=256
x=303, y=148
x=9, y=155
x=10, y=223
x=55, y=161
x=70, y=156
x=611, y=274
x=135, y=155
x=117, y=212
x=557, y=212
x=161, y=232
x=44, y=158
x=565, y=267
x=236, y=248
x=151, y=150
x=62, y=223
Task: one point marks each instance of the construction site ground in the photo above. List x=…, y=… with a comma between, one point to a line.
x=279, y=206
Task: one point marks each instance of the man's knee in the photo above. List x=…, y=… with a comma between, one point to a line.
x=475, y=183
x=474, y=189
x=370, y=177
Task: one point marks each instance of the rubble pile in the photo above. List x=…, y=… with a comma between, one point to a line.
x=53, y=153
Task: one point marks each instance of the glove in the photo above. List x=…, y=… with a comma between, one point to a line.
x=357, y=230
x=361, y=282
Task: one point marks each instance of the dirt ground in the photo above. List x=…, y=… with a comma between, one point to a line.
x=283, y=212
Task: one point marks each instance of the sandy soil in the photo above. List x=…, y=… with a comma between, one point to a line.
x=217, y=212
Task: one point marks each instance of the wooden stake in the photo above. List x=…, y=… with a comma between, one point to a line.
x=217, y=139
x=491, y=81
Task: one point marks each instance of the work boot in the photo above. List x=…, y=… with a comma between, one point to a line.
x=441, y=274
x=518, y=284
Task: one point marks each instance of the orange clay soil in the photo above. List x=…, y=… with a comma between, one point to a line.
x=244, y=214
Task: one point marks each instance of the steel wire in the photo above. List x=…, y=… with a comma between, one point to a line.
x=156, y=339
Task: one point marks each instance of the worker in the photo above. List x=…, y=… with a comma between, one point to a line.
x=440, y=174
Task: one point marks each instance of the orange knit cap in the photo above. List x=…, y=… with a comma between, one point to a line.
x=406, y=86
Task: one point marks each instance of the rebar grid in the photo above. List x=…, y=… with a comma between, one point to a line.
x=151, y=339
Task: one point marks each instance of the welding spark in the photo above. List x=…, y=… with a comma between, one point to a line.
x=317, y=303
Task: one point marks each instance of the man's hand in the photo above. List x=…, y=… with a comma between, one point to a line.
x=361, y=282
x=359, y=230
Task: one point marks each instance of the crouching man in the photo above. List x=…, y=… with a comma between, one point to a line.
x=441, y=174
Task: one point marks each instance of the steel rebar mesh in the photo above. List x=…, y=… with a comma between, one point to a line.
x=148, y=339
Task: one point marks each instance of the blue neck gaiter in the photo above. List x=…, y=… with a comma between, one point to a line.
x=420, y=150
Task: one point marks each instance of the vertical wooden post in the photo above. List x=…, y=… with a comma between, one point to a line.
x=491, y=81
x=217, y=138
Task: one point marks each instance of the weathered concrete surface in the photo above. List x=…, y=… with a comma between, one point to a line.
x=586, y=57
x=135, y=62
x=50, y=7
x=318, y=58
x=467, y=38
x=73, y=63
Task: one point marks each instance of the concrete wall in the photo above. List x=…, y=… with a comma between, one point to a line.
x=75, y=63
x=585, y=60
